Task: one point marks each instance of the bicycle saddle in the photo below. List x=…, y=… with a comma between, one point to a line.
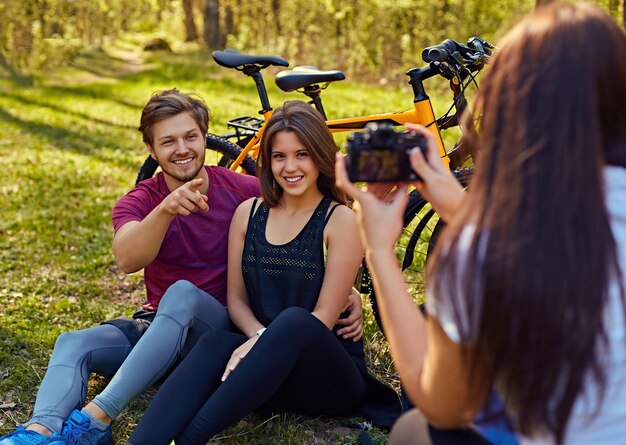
x=233, y=59
x=303, y=76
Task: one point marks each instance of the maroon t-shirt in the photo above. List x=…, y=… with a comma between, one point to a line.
x=195, y=247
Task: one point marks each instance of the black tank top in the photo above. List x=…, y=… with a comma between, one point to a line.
x=291, y=274
x=281, y=276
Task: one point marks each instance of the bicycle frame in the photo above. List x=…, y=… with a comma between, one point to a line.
x=422, y=114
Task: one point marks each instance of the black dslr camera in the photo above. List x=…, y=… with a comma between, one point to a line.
x=380, y=154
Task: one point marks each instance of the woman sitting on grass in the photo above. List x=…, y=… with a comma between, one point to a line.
x=526, y=290
x=293, y=256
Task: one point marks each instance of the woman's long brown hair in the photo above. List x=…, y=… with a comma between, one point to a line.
x=310, y=127
x=537, y=252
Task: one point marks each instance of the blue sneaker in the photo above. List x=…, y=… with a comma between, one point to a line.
x=22, y=436
x=77, y=430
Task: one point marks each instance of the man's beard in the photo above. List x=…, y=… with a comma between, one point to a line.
x=183, y=178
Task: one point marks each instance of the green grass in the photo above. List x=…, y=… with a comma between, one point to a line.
x=69, y=149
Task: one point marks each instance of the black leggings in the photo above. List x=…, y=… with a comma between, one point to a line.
x=297, y=364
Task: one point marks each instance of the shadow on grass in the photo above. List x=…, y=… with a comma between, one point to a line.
x=65, y=111
x=94, y=91
x=79, y=142
x=22, y=366
x=17, y=78
x=104, y=65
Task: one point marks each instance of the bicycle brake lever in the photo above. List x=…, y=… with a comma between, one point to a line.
x=445, y=69
x=459, y=58
x=479, y=44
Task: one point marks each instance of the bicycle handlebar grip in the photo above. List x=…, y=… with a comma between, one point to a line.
x=436, y=55
x=441, y=52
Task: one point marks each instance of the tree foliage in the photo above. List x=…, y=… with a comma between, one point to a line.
x=366, y=38
x=38, y=34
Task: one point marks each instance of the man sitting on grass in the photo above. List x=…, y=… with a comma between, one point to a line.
x=175, y=227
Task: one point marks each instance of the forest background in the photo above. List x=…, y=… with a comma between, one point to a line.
x=368, y=39
x=73, y=79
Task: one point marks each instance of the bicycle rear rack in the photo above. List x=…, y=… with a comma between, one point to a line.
x=245, y=126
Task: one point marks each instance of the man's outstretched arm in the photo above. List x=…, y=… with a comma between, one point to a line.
x=137, y=243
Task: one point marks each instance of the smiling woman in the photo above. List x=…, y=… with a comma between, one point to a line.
x=294, y=170
x=291, y=133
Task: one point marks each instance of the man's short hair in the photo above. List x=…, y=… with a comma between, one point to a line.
x=168, y=103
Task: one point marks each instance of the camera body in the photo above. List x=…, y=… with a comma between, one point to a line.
x=380, y=154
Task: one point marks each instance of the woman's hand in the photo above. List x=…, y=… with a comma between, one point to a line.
x=238, y=355
x=379, y=213
x=438, y=185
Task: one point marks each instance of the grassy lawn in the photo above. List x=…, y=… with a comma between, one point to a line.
x=69, y=149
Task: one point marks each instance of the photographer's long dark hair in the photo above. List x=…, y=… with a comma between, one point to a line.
x=535, y=274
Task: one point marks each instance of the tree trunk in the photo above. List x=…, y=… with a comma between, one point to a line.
x=42, y=15
x=276, y=12
x=212, y=29
x=190, y=26
x=542, y=2
x=229, y=23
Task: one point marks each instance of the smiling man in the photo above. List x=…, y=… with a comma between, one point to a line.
x=175, y=227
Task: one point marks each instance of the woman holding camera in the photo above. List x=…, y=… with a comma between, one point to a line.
x=293, y=256
x=526, y=290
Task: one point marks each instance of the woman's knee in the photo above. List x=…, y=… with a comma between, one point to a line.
x=295, y=318
x=410, y=429
x=297, y=328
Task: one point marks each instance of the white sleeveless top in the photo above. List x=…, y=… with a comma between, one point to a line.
x=608, y=427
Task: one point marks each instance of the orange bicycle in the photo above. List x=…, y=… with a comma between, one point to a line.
x=455, y=62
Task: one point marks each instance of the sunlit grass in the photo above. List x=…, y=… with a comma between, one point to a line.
x=69, y=149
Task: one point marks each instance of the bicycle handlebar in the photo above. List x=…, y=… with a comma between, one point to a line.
x=472, y=56
x=441, y=52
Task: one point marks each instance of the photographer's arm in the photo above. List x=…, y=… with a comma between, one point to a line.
x=438, y=185
x=432, y=367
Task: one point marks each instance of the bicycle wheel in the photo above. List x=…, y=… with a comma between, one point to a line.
x=421, y=228
x=241, y=142
x=147, y=169
x=230, y=152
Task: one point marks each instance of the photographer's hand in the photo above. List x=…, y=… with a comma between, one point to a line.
x=438, y=185
x=379, y=214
